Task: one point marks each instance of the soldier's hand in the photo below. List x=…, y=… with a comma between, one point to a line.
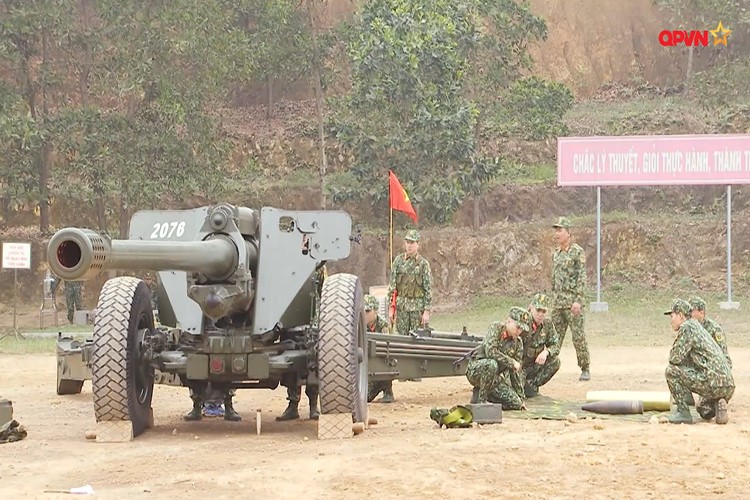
x=542, y=358
x=516, y=366
x=425, y=317
x=575, y=309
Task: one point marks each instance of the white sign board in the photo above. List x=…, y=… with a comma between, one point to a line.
x=16, y=255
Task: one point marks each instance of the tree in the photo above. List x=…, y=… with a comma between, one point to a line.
x=706, y=14
x=30, y=32
x=407, y=109
x=507, y=28
x=147, y=135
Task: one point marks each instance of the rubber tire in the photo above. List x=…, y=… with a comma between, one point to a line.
x=123, y=309
x=342, y=337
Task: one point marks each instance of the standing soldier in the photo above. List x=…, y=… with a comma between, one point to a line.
x=697, y=365
x=148, y=278
x=294, y=391
x=411, y=283
x=568, y=284
x=377, y=324
x=73, y=299
x=541, y=347
x=495, y=367
x=698, y=311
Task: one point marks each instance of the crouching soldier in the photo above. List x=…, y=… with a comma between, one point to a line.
x=377, y=324
x=697, y=364
x=495, y=367
x=541, y=347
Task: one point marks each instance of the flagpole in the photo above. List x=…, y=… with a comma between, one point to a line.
x=390, y=245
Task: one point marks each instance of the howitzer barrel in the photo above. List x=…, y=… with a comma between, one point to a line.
x=79, y=254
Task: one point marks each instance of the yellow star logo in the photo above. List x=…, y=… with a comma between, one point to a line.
x=720, y=39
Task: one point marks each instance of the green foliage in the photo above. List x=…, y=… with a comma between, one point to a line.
x=278, y=35
x=723, y=84
x=534, y=109
x=406, y=110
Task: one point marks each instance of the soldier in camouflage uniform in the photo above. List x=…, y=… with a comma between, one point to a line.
x=209, y=404
x=294, y=391
x=697, y=364
x=411, y=282
x=541, y=347
x=148, y=278
x=568, y=284
x=73, y=299
x=377, y=324
x=698, y=312
x=495, y=369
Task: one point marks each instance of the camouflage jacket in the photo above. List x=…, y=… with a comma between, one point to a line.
x=695, y=349
x=411, y=278
x=154, y=298
x=715, y=330
x=499, y=346
x=568, y=276
x=380, y=326
x=540, y=336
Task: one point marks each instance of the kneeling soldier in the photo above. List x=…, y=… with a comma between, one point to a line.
x=495, y=368
x=541, y=347
x=696, y=364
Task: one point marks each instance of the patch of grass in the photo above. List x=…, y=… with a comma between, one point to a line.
x=525, y=174
x=635, y=317
x=63, y=328
x=29, y=345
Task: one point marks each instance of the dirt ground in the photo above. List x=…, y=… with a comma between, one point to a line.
x=404, y=455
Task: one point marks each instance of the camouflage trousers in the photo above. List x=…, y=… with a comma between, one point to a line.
x=407, y=321
x=212, y=395
x=683, y=381
x=73, y=301
x=562, y=318
x=538, y=375
x=494, y=387
x=294, y=393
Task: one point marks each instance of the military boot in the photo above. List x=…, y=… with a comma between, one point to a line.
x=196, y=413
x=722, y=412
x=474, y=396
x=680, y=416
x=312, y=395
x=585, y=375
x=531, y=391
x=229, y=412
x=388, y=394
x=291, y=412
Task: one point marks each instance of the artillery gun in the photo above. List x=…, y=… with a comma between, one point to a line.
x=243, y=302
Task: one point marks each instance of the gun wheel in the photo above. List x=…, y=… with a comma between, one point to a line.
x=342, y=348
x=122, y=378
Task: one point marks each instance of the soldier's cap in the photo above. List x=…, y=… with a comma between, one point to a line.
x=540, y=301
x=412, y=235
x=563, y=222
x=697, y=303
x=371, y=303
x=679, y=306
x=520, y=316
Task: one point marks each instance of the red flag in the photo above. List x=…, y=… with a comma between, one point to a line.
x=399, y=200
